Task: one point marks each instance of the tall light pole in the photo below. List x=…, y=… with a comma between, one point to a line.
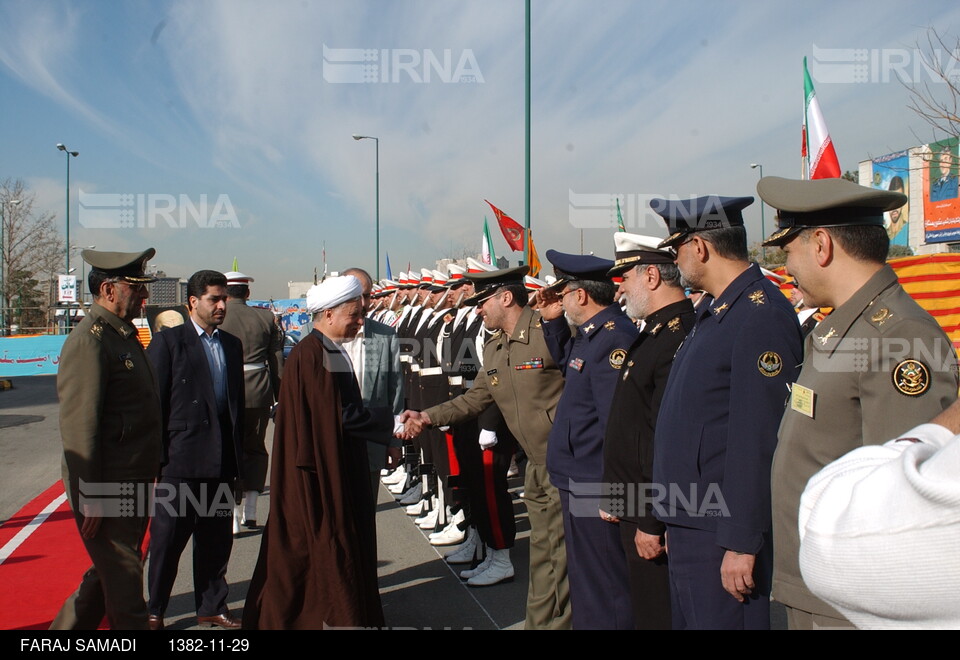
x=763, y=225
x=377, y=140
x=68, y=153
x=83, y=269
x=3, y=278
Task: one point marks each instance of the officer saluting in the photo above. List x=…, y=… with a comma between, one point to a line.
x=110, y=425
x=591, y=360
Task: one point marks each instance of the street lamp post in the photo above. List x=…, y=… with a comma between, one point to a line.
x=763, y=225
x=83, y=270
x=68, y=154
x=3, y=278
x=377, y=141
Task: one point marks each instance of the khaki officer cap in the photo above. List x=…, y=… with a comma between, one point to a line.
x=128, y=266
x=823, y=203
x=487, y=284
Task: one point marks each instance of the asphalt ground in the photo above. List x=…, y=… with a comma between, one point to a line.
x=418, y=589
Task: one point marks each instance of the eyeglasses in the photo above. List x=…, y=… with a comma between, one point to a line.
x=133, y=287
x=563, y=293
x=675, y=249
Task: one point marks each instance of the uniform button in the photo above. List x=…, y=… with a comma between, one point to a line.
x=194, y=402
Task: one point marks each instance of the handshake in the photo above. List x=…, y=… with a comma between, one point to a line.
x=409, y=424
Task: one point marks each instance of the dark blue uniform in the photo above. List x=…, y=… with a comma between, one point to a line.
x=592, y=363
x=715, y=438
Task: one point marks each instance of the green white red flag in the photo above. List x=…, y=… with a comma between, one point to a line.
x=817, y=150
x=486, y=247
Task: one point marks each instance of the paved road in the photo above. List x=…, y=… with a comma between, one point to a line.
x=418, y=589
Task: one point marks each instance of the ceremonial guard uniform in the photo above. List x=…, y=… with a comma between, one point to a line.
x=875, y=367
x=262, y=342
x=591, y=362
x=717, y=431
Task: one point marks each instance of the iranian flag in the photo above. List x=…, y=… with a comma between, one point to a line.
x=817, y=146
x=486, y=246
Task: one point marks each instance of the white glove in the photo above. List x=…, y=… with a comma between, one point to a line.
x=397, y=426
x=488, y=439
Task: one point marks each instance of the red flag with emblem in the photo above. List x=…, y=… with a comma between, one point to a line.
x=512, y=230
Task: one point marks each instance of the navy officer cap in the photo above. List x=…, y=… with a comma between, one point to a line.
x=578, y=267
x=686, y=216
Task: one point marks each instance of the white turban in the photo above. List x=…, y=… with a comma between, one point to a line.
x=333, y=291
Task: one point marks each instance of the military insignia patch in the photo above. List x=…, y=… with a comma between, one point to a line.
x=610, y=325
x=97, y=330
x=520, y=336
x=911, y=377
x=824, y=338
x=588, y=328
x=127, y=362
x=717, y=310
x=770, y=364
x=576, y=363
x=674, y=324
x=881, y=316
x=757, y=297
x=494, y=381
x=617, y=358
x=655, y=329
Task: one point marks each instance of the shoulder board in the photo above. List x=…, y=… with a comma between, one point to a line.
x=97, y=329
x=879, y=317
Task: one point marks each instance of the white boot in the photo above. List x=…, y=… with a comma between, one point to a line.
x=429, y=521
x=417, y=509
x=499, y=570
x=467, y=550
x=398, y=475
x=481, y=567
x=237, y=515
x=451, y=534
x=250, y=508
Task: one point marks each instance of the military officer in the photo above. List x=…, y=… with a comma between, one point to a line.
x=262, y=365
x=717, y=427
x=653, y=293
x=874, y=368
x=591, y=361
x=110, y=424
x=524, y=381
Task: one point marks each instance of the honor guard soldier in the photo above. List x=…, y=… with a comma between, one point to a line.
x=592, y=361
x=522, y=379
x=717, y=427
x=110, y=424
x=262, y=365
x=877, y=366
x=653, y=293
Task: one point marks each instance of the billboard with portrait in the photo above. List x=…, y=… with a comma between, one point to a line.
x=941, y=207
x=892, y=172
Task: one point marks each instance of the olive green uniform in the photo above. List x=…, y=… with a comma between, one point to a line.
x=877, y=366
x=262, y=363
x=519, y=375
x=110, y=427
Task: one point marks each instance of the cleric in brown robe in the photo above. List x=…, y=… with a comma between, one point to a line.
x=317, y=566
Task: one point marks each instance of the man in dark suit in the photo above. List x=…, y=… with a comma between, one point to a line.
x=375, y=353
x=199, y=371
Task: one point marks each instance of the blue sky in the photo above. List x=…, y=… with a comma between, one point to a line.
x=229, y=98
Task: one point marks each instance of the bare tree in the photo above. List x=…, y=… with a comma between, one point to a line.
x=938, y=102
x=32, y=250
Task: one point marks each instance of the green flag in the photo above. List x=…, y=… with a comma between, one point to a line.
x=620, y=226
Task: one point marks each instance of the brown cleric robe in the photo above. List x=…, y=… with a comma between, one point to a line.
x=317, y=564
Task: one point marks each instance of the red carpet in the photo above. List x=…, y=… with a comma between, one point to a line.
x=44, y=569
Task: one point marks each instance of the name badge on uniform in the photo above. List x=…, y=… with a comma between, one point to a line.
x=535, y=363
x=576, y=363
x=802, y=399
